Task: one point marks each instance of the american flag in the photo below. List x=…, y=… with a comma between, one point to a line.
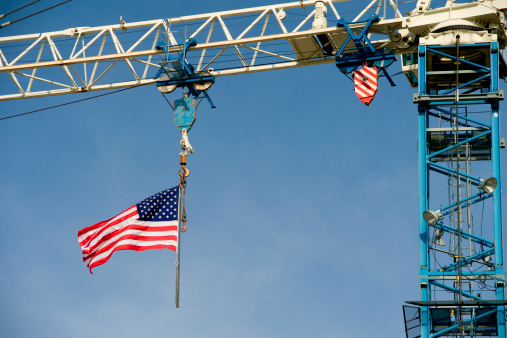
x=150, y=224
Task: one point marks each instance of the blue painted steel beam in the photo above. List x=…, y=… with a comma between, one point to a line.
x=465, y=84
x=365, y=52
x=354, y=59
x=454, y=327
x=468, y=260
x=459, y=202
x=462, y=101
x=475, y=179
x=466, y=235
x=436, y=275
x=450, y=288
x=466, y=118
x=433, y=50
x=497, y=194
x=495, y=65
x=477, y=200
x=386, y=74
x=446, y=173
x=360, y=38
x=445, y=118
x=459, y=144
x=423, y=198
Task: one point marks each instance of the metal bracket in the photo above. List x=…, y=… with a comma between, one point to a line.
x=185, y=144
x=442, y=99
x=348, y=60
x=177, y=72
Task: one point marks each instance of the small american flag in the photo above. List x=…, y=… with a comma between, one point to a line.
x=150, y=224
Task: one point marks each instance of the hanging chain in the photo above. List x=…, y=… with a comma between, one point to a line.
x=184, y=172
x=177, y=264
x=183, y=185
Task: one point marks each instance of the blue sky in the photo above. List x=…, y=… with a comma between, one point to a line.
x=302, y=202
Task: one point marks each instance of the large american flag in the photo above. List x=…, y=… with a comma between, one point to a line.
x=150, y=224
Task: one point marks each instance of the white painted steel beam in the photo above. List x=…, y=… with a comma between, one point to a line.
x=256, y=39
x=264, y=41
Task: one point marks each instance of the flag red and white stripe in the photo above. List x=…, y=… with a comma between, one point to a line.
x=366, y=83
x=127, y=231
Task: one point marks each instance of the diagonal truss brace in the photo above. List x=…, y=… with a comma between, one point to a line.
x=364, y=51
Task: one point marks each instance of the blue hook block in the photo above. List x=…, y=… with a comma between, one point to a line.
x=184, y=113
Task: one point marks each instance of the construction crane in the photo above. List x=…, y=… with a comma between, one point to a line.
x=451, y=54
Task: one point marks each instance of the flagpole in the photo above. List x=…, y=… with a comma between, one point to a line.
x=182, y=218
x=177, y=264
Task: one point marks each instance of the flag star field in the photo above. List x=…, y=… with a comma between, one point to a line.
x=160, y=207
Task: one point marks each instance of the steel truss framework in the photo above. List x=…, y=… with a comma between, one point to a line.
x=435, y=106
x=124, y=55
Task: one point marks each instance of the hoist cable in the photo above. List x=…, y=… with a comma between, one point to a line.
x=4, y=15
x=167, y=100
x=67, y=103
x=8, y=23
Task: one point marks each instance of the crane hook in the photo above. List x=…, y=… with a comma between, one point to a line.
x=185, y=173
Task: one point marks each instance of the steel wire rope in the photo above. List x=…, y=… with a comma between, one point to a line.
x=30, y=15
x=443, y=279
x=17, y=9
x=477, y=277
x=435, y=256
x=262, y=64
x=71, y=102
x=198, y=56
x=59, y=39
x=118, y=33
x=228, y=61
x=287, y=54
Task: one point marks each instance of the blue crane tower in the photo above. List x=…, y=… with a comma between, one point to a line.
x=462, y=279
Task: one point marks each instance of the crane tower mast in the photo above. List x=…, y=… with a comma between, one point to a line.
x=451, y=54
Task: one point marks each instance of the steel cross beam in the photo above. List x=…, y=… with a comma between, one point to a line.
x=234, y=42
